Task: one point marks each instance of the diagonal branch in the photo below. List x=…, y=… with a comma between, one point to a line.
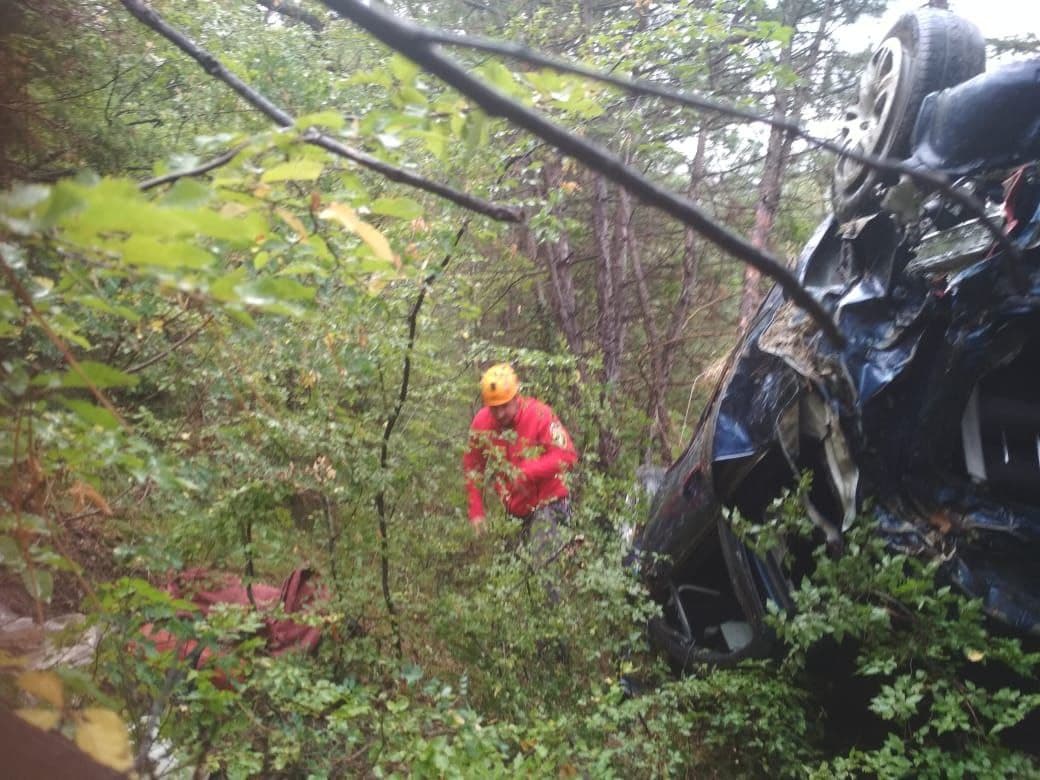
x=415, y=43
x=147, y=16
x=206, y=167
x=648, y=88
x=172, y=348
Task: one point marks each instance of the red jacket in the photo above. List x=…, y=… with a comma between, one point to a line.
x=527, y=460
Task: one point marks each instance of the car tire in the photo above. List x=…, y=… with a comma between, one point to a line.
x=925, y=51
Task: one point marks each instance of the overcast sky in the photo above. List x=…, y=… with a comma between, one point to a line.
x=995, y=18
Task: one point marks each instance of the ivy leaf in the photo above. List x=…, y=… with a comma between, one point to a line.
x=346, y=216
x=298, y=170
x=404, y=208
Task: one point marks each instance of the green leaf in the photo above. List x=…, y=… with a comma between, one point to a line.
x=412, y=97
x=240, y=228
x=301, y=268
x=39, y=584
x=144, y=250
x=104, y=213
x=281, y=289
x=223, y=289
x=330, y=119
x=545, y=80
x=298, y=170
x=320, y=248
x=475, y=133
x=100, y=304
x=98, y=375
x=92, y=414
x=10, y=555
x=404, y=69
x=500, y=77
x=434, y=140
x=404, y=208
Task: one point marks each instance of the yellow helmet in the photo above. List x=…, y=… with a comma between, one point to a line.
x=499, y=385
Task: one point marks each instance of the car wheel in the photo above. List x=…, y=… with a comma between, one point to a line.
x=925, y=51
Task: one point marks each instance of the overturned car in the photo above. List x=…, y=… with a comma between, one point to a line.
x=929, y=415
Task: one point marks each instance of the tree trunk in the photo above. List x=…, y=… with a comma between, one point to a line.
x=788, y=104
x=611, y=251
x=558, y=259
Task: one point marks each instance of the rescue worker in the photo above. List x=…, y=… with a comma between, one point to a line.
x=527, y=451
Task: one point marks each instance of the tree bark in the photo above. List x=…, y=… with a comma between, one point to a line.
x=612, y=249
x=558, y=260
x=787, y=109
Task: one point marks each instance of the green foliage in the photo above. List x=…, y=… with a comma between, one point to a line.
x=239, y=340
x=932, y=690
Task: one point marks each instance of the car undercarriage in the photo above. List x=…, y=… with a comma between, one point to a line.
x=926, y=422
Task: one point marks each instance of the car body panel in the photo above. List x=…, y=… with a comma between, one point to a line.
x=929, y=414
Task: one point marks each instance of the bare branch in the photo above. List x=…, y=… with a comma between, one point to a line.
x=417, y=44
x=213, y=67
x=174, y=346
x=216, y=162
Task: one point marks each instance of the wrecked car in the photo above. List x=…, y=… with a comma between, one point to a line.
x=928, y=417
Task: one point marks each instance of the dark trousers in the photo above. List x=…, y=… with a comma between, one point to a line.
x=541, y=530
